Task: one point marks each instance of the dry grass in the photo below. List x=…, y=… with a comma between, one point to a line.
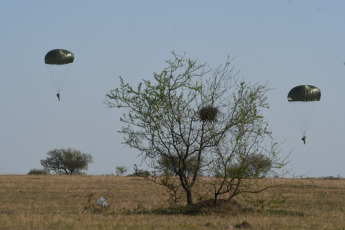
x=57, y=202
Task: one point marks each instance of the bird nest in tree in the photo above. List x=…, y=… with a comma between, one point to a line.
x=208, y=113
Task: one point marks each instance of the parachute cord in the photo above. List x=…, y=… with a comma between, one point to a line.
x=58, y=75
x=51, y=78
x=56, y=88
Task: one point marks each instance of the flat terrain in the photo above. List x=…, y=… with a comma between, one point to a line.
x=58, y=202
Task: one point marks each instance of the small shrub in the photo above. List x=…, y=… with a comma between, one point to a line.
x=140, y=172
x=38, y=172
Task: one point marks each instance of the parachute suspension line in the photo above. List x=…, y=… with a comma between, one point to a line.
x=58, y=75
x=313, y=106
x=51, y=78
x=304, y=113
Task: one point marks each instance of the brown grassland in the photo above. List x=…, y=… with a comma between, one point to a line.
x=58, y=202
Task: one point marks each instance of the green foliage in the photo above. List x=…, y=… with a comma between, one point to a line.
x=253, y=166
x=69, y=161
x=191, y=120
x=167, y=166
x=38, y=172
x=140, y=172
x=121, y=170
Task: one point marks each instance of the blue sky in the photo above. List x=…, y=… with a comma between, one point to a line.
x=284, y=43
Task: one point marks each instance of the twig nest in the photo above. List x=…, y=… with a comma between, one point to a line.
x=208, y=113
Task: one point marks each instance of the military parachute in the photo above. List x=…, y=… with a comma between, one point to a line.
x=58, y=63
x=303, y=100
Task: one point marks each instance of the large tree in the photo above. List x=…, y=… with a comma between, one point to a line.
x=183, y=118
x=69, y=161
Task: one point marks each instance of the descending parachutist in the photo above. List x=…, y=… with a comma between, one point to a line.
x=304, y=138
x=303, y=99
x=58, y=63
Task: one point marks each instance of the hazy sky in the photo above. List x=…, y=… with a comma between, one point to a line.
x=285, y=43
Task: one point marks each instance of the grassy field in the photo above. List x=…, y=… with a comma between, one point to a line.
x=58, y=202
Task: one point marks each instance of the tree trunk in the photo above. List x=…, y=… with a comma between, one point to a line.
x=215, y=198
x=189, y=197
x=187, y=188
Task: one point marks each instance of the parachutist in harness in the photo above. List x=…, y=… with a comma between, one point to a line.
x=304, y=138
x=58, y=96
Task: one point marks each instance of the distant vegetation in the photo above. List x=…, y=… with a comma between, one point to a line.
x=38, y=172
x=121, y=170
x=140, y=172
x=68, y=161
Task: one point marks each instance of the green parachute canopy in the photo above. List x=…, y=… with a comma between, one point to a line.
x=304, y=93
x=59, y=57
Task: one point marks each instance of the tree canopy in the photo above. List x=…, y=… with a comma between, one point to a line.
x=192, y=119
x=69, y=161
